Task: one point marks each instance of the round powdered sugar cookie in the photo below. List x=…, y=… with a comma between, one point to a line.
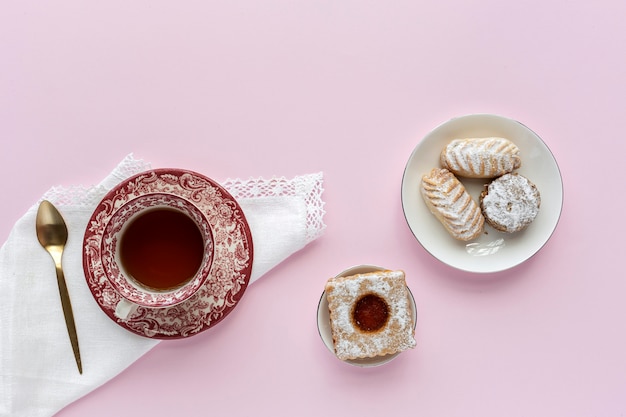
x=510, y=203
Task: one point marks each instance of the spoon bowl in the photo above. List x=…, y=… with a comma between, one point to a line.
x=50, y=227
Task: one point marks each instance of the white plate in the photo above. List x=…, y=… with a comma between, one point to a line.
x=493, y=251
x=323, y=320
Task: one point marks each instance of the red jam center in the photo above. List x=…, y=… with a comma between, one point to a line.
x=370, y=313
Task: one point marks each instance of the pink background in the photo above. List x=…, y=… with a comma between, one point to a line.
x=260, y=88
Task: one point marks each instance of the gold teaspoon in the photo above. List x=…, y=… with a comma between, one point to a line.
x=52, y=234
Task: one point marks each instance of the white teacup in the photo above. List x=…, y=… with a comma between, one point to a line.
x=157, y=251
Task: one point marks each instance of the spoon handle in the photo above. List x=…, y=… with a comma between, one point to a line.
x=69, y=316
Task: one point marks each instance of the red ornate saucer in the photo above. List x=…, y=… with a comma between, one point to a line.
x=232, y=263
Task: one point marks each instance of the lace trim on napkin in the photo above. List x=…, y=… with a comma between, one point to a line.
x=308, y=186
x=82, y=196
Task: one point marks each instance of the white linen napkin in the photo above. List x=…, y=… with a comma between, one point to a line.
x=38, y=375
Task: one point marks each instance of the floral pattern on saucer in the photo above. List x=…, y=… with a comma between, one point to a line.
x=232, y=261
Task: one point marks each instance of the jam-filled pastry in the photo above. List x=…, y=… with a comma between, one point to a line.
x=510, y=203
x=480, y=157
x=370, y=314
x=451, y=204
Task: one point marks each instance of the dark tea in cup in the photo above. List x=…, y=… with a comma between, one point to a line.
x=162, y=249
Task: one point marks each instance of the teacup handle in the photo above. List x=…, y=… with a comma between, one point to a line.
x=124, y=309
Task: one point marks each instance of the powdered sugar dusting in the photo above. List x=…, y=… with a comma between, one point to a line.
x=351, y=342
x=448, y=200
x=511, y=203
x=481, y=157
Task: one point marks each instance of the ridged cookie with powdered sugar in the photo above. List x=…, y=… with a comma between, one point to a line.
x=480, y=157
x=451, y=204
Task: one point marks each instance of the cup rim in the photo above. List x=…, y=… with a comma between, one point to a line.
x=127, y=287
